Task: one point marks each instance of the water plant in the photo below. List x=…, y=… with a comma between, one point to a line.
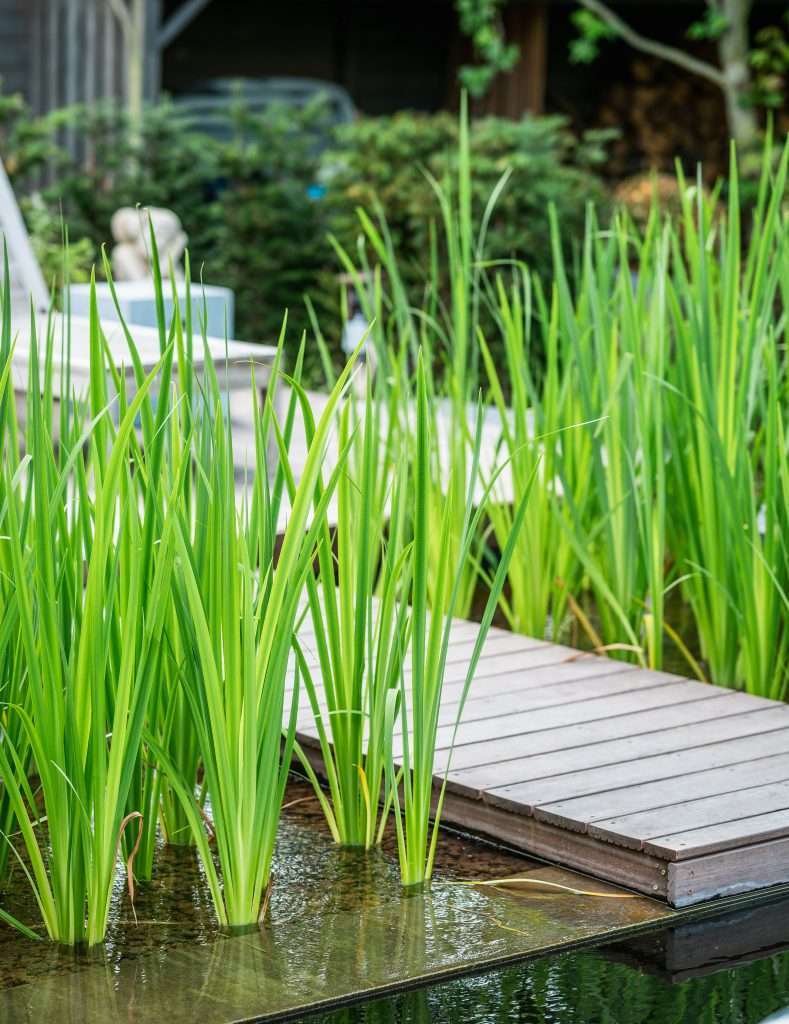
x=88, y=631
x=359, y=620
x=534, y=415
x=728, y=430
x=668, y=345
x=444, y=326
x=435, y=586
x=12, y=666
x=616, y=331
x=165, y=424
x=238, y=608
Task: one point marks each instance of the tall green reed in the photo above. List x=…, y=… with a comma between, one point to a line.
x=89, y=633
x=12, y=665
x=440, y=316
x=435, y=593
x=534, y=413
x=359, y=621
x=668, y=347
x=728, y=432
x=238, y=609
x=616, y=329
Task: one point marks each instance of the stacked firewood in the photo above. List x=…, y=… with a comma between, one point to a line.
x=663, y=113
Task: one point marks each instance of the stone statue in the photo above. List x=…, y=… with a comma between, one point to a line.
x=131, y=256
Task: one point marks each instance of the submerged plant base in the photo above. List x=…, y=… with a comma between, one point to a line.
x=339, y=926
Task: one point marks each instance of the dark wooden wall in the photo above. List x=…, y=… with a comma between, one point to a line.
x=14, y=51
x=387, y=55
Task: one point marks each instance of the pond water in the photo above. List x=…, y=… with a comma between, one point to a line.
x=340, y=929
x=588, y=988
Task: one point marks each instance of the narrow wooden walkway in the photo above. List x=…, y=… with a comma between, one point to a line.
x=672, y=787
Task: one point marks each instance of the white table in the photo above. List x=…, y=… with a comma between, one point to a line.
x=137, y=301
x=233, y=360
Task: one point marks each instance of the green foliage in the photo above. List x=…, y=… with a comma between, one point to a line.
x=436, y=583
x=592, y=31
x=669, y=356
x=538, y=416
x=711, y=25
x=266, y=234
x=768, y=56
x=243, y=200
x=148, y=617
x=728, y=432
x=59, y=263
x=384, y=165
x=159, y=163
x=130, y=577
x=239, y=609
x=251, y=202
x=769, y=60
x=480, y=20
x=88, y=600
x=663, y=349
x=360, y=620
x=27, y=142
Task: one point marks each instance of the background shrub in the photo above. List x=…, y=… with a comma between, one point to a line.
x=258, y=205
x=386, y=157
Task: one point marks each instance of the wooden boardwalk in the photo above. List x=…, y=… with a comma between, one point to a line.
x=668, y=786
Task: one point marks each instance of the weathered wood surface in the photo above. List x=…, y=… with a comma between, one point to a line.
x=671, y=786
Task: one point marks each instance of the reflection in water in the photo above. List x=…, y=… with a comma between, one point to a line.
x=587, y=988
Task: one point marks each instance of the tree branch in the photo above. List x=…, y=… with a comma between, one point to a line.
x=653, y=47
x=121, y=12
x=178, y=21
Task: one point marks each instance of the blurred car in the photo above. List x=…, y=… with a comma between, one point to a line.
x=211, y=105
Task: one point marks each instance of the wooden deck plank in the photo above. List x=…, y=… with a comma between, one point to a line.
x=614, y=863
x=584, y=709
x=539, y=672
x=656, y=768
x=739, y=869
x=496, y=714
x=494, y=662
x=495, y=646
x=673, y=787
x=535, y=668
x=505, y=700
x=496, y=659
x=656, y=795
x=610, y=740
x=725, y=835
x=580, y=695
x=688, y=815
x=739, y=720
x=495, y=681
x=621, y=715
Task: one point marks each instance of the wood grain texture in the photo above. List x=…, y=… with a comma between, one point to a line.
x=568, y=725
x=660, y=769
x=741, y=869
x=622, y=804
x=615, y=864
x=695, y=824
x=729, y=718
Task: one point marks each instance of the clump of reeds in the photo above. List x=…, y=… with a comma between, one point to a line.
x=649, y=379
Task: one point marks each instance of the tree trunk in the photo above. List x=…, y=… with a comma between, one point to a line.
x=733, y=52
x=733, y=78
x=135, y=62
